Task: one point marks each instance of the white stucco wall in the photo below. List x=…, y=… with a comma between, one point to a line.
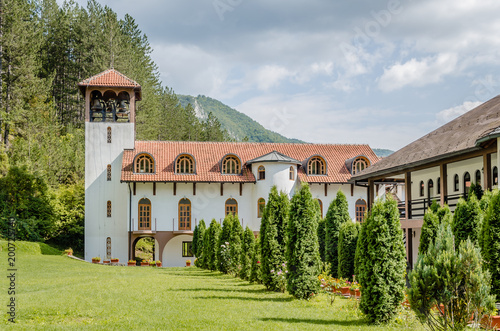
x=98, y=190
x=172, y=253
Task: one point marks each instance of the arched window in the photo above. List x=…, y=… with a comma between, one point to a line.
x=108, y=248
x=430, y=189
x=495, y=176
x=439, y=185
x=185, y=165
x=184, y=214
x=478, y=177
x=456, y=183
x=466, y=183
x=316, y=166
x=291, y=173
x=359, y=164
x=261, y=204
x=144, y=214
x=231, y=207
x=231, y=165
x=109, y=135
x=108, y=172
x=144, y=164
x=320, y=207
x=360, y=210
x=422, y=188
x=262, y=173
x=108, y=209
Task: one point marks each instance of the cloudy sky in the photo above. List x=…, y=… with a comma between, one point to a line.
x=359, y=71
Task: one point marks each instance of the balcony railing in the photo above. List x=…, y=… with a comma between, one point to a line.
x=152, y=228
x=418, y=207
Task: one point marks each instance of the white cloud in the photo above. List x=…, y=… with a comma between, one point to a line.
x=417, y=73
x=444, y=116
x=270, y=75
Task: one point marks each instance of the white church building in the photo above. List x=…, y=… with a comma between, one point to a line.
x=162, y=189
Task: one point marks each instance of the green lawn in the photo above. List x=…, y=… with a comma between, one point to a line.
x=56, y=292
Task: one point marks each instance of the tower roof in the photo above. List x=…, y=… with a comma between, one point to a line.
x=110, y=78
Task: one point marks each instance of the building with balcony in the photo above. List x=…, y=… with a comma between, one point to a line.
x=439, y=166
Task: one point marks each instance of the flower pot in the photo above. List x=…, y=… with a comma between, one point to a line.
x=158, y=264
x=345, y=290
x=188, y=264
x=114, y=260
x=357, y=293
x=95, y=261
x=351, y=292
x=105, y=261
x=495, y=322
x=131, y=264
x=145, y=264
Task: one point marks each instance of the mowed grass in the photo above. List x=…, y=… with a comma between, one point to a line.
x=58, y=293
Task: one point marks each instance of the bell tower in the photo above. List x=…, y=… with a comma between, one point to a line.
x=110, y=104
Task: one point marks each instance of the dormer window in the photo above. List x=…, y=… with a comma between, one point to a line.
x=144, y=164
x=184, y=164
x=316, y=166
x=359, y=164
x=231, y=165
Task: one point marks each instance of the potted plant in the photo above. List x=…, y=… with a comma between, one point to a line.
x=158, y=263
x=354, y=287
x=344, y=286
x=96, y=259
x=113, y=260
x=144, y=263
x=152, y=264
x=106, y=261
x=69, y=251
x=188, y=263
x=131, y=263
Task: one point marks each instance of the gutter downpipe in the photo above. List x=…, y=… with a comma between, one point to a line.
x=130, y=220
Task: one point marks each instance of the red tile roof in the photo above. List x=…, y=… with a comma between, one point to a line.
x=110, y=77
x=208, y=156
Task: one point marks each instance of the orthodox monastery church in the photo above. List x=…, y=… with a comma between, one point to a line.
x=162, y=189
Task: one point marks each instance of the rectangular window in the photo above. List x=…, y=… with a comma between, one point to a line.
x=108, y=175
x=187, y=249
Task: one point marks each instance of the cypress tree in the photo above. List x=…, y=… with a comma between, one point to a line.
x=222, y=249
x=199, y=244
x=255, y=272
x=272, y=240
x=429, y=229
x=211, y=245
x=321, y=238
x=382, y=263
x=467, y=220
x=338, y=213
x=348, y=239
x=235, y=241
x=247, y=249
x=491, y=242
x=302, y=251
x=194, y=245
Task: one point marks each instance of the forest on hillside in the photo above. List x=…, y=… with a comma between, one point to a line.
x=45, y=50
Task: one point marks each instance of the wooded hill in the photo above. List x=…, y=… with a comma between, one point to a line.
x=239, y=126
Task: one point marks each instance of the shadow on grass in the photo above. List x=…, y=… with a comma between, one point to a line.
x=359, y=322
x=262, y=290
x=214, y=297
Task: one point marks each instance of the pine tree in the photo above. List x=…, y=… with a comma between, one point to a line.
x=302, y=251
x=382, y=263
x=255, y=272
x=224, y=238
x=247, y=249
x=275, y=217
x=338, y=213
x=429, y=229
x=211, y=245
x=491, y=242
x=348, y=239
x=451, y=279
x=467, y=220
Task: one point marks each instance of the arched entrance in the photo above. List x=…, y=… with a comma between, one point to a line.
x=145, y=248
